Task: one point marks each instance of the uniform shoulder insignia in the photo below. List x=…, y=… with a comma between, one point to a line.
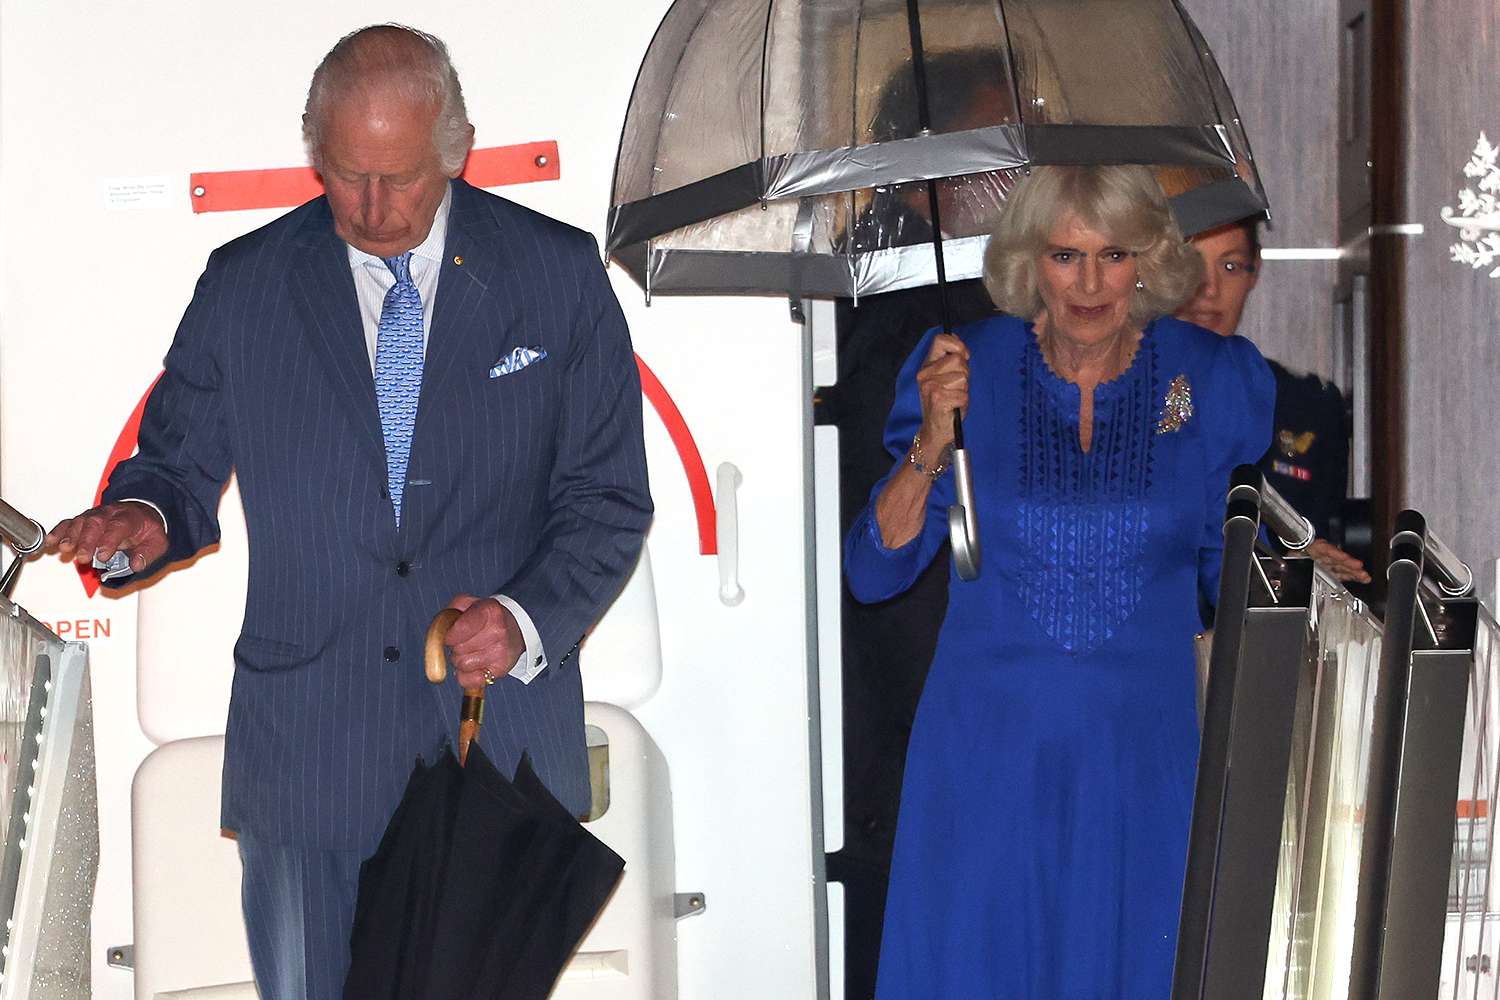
x=1292, y=444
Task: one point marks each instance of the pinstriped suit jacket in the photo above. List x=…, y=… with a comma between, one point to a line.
x=532, y=484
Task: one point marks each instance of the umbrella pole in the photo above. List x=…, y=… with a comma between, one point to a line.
x=963, y=522
x=471, y=714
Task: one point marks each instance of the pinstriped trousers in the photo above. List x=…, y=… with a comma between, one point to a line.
x=299, y=910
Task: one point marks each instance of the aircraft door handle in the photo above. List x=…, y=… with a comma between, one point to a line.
x=727, y=531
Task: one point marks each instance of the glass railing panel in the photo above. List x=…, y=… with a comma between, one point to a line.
x=1469, y=971
x=49, y=851
x=21, y=641
x=1317, y=879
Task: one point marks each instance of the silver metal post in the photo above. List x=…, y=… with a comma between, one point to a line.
x=1255, y=664
x=1404, y=577
x=1416, y=748
x=1421, y=849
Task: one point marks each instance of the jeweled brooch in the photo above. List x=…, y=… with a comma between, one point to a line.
x=1177, y=408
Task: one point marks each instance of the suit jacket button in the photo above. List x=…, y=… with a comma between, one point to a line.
x=403, y=568
x=392, y=654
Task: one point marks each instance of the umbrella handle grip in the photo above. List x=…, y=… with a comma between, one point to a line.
x=434, y=659
x=435, y=662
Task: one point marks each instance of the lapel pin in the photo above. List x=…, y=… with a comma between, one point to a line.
x=458, y=261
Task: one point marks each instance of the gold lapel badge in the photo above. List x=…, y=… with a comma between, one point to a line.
x=1177, y=408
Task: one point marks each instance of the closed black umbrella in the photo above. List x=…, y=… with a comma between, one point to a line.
x=482, y=887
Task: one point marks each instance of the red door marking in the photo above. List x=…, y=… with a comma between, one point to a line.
x=687, y=452
x=651, y=388
x=236, y=190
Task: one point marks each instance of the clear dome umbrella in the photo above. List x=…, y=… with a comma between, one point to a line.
x=845, y=147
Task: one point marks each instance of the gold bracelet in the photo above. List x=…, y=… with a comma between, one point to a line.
x=932, y=472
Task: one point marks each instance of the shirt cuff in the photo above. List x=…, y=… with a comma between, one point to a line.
x=534, y=660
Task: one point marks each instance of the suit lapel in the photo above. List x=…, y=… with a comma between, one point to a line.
x=323, y=290
x=465, y=292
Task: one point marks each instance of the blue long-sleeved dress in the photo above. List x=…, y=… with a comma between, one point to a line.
x=1042, y=838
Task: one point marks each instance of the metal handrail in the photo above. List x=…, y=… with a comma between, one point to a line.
x=25, y=535
x=1294, y=530
x=1451, y=574
x=1447, y=572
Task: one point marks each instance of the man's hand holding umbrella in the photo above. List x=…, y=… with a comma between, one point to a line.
x=484, y=642
x=488, y=645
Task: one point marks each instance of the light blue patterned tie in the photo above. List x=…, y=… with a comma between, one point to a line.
x=398, y=372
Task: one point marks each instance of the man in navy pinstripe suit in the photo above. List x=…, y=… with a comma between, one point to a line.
x=524, y=481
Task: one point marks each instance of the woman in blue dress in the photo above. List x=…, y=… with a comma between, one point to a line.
x=1044, y=816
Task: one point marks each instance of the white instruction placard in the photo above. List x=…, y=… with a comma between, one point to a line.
x=125, y=194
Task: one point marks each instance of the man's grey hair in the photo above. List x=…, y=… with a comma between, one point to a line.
x=392, y=58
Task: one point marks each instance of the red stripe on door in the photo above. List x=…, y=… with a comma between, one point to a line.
x=687, y=452
x=238, y=190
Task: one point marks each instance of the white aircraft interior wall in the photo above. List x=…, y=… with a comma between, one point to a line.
x=105, y=111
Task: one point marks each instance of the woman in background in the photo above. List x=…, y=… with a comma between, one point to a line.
x=1044, y=817
x=1307, y=461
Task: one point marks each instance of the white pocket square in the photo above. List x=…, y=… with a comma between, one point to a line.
x=516, y=360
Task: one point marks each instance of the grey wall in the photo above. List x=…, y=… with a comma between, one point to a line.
x=1281, y=61
x=1452, y=350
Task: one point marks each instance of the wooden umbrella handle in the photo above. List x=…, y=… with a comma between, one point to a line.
x=435, y=662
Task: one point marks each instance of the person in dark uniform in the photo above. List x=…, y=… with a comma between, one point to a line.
x=1308, y=458
x=887, y=647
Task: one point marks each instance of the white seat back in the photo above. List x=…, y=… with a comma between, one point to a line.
x=621, y=658
x=189, y=930
x=631, y=952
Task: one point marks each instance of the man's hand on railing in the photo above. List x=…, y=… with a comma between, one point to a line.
x=98, y=533
x=1336, y=562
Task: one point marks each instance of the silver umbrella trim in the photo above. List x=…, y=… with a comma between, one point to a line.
x=833, y=275
x=953, y=154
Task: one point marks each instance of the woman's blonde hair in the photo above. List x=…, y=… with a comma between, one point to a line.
x=1124, y=202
